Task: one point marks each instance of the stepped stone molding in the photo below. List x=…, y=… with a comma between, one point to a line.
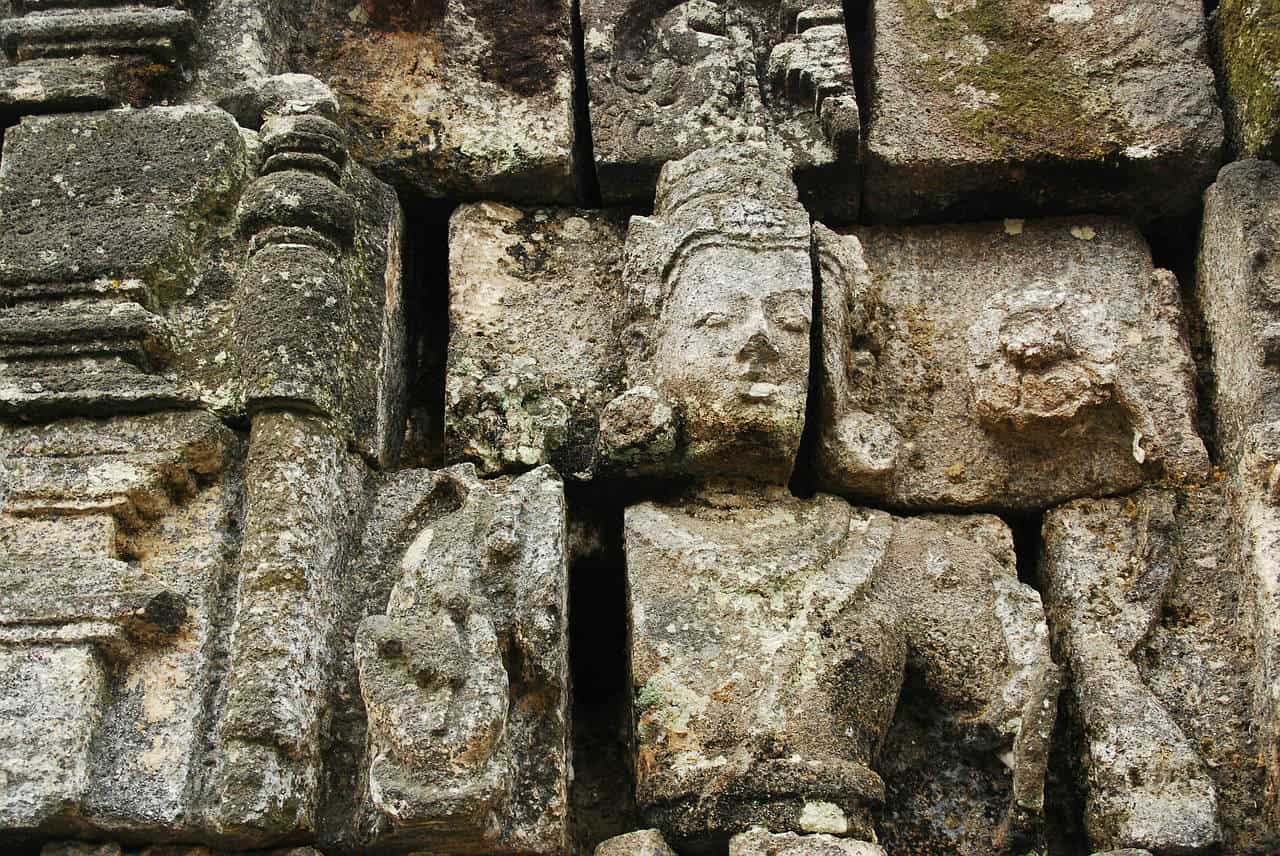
x=83, y=56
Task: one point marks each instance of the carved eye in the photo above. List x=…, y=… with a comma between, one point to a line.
x=713, y=319
x=790, y=310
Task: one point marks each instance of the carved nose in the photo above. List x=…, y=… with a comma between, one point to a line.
x=758, y=350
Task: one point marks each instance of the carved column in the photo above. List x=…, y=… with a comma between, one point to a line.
x=291, y=332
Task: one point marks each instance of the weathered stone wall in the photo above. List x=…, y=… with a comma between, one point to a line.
x=640, y=427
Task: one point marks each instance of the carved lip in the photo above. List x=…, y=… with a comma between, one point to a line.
x=758, y=392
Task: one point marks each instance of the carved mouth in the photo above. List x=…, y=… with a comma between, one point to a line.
x=759, y=393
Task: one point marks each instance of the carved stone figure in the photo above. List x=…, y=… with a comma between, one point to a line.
x=462, y=665
x=770, y=637
x=667, y=79
x=1147, y=785
x=1008, y=365
x=716, y=338
x=1151, y=602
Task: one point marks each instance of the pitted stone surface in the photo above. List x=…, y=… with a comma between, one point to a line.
x=647, y=842
x=1247, y=42
x=638, y=597
x=667, y=79
x=462, y=99
x=983, y=109
x=454, y=666
x=761, y=842
x=719, y=291
x=114, y=535
x=1238, y=284
x=1000, y=365
x=535, y=300
x=758, y=619
x=1108, y=565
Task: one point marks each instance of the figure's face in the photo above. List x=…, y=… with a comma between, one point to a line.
x=1040, y=354
x=733, y=343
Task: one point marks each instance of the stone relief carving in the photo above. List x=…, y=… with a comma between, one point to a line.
x=464, y=677
x=716, y=338
x=770, y=637
x=230, y=618
x=667, y=79
x=114, y=559
x=1044, y=360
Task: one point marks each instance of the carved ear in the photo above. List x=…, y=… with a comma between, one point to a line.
x=636, y=340
x=639, y=432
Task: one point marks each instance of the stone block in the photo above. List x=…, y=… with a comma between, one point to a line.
x=115, y=195
x=465, y=99
x=1247, y=46
x=535, y=298
x=667, y=79
x=646, y=842
x=1000, y=365
x=983, y=109
x=302, y=494
x=715, y=335
x=110, y=217
x=115, y=561
x=1238, y=292
x=1151, y=603
x=457, y=626
x=60, y=57
x=761, y=842
x=50, y=700
x=769, y=641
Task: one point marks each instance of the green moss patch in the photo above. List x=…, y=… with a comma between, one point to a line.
x=1046, y=106
x=1248, y=47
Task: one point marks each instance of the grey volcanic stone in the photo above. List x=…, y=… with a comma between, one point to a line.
x=114, y=537
x=668, y=78
x=303, y=491
x=454, y=645
x=769, y=641
x=719, y=291
x=1247, y=42
x=535, y=300
x=84, y=56
x=995, y=109
x=1110, y=566
x=1238, y=292
x=466, y=99
x=1000, y=365
x=109, y=219
x=647, y=842
x=761, y=842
